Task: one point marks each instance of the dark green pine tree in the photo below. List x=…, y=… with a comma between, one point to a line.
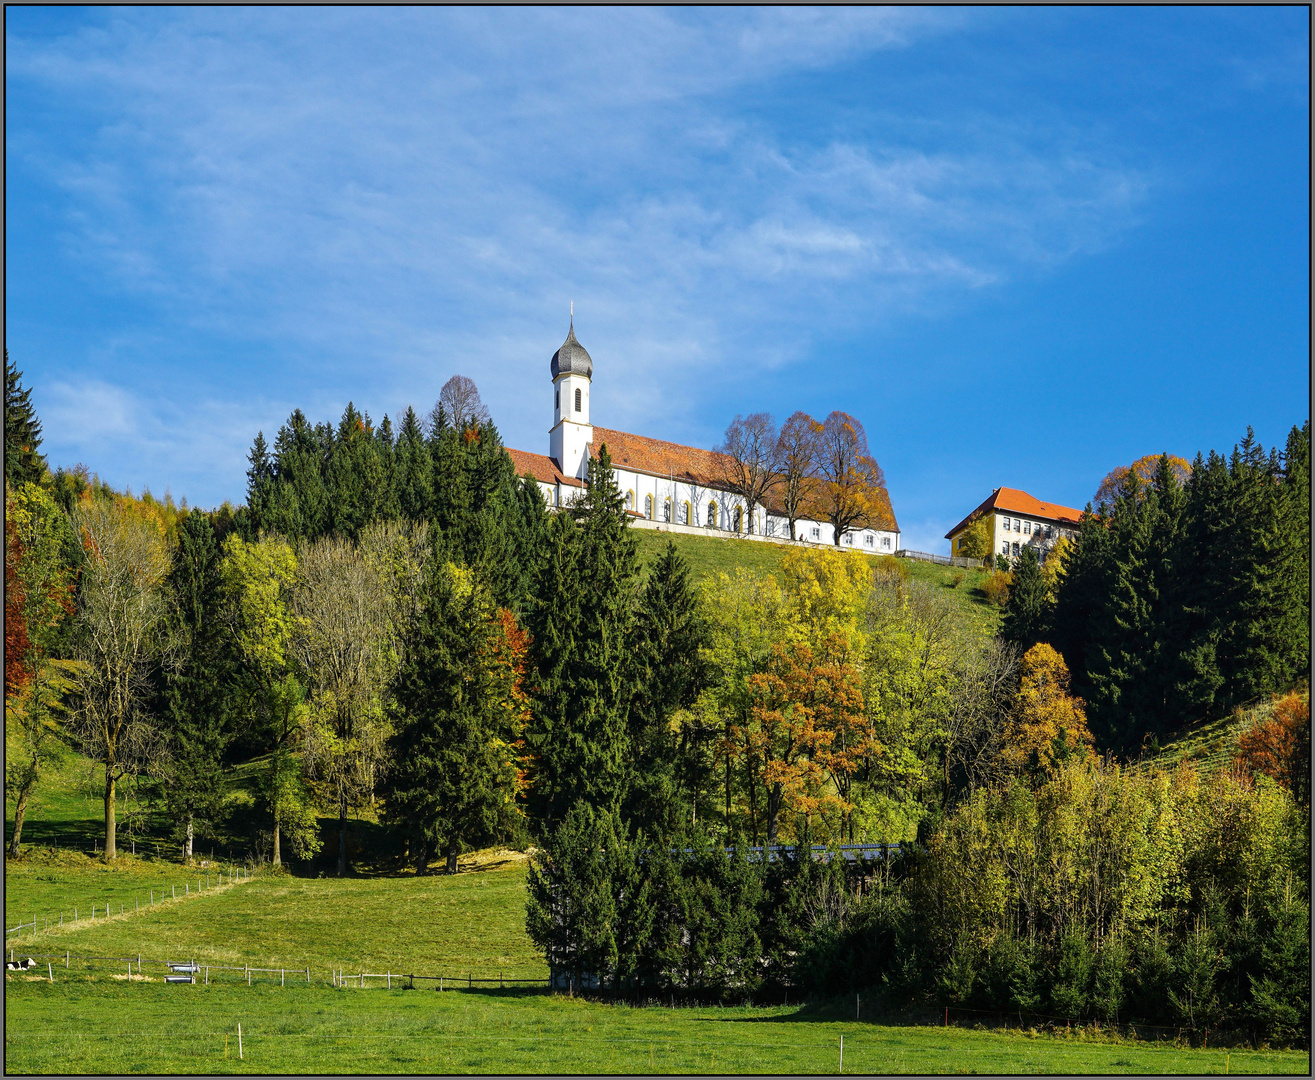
x=1294, y=576
x=590, y=904
x=669, y=769
x=413, y=471
x=22, y=431
x=451, y=784
x=1240, y=564
x=388, y=507
x=1159, y=695
x=582, y=623
x=1253, y=661
x=198, y=694
x=1081, y=595
x=358, y=485
x=482, y=517
x=1125, y=648
x=298, y=507
x=1205, y=562
x=1028, y=608
x=260, y=484
x=526, y=524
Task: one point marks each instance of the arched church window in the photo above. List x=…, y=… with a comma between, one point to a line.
x=557, y=399
x=666, y=510
x=648, y=506
x=739, y=519
x=712, y=515
x=630, y=500
x=577, y=399
x=685, y=511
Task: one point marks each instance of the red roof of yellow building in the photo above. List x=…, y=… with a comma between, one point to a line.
x=1013, y=501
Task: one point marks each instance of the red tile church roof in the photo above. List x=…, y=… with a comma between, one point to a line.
x=688, y=463
x=544, y=469
x=659, y=458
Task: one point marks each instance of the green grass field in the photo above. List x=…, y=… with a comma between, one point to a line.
x=95, y=1024
x=93, y=1019
x=708, y=556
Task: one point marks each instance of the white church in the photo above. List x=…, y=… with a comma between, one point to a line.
x=666, y=486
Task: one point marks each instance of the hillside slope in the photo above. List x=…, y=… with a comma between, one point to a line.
x=711, y=555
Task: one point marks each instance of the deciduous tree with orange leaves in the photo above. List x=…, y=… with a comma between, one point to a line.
x=1279, y=746
x=807, y=726
x=1144, y=468
x=852, y=488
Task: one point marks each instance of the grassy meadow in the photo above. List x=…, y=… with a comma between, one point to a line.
x=83, y=1024
x=711, y=555
x=92, y=1018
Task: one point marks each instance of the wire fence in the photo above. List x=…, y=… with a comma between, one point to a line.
x=199, y=971
x=235, y=875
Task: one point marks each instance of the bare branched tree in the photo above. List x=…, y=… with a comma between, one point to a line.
x=460, y=400
x=984, y=687
x=796, y=462
x=852, y=482
x=347, y=648
x=125, y=636
x=398, y=549
x=749, y=459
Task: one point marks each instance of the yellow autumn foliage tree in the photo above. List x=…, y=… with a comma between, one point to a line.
x=827, y=590
x=1046, y=718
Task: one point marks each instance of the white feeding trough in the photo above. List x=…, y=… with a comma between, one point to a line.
x=184, y=971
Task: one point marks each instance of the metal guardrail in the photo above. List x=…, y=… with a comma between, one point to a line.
x=939, y=560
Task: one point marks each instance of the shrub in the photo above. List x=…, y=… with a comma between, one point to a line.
x=1273, y=747
x=996, y=587
x=956, y=579
x=889, y=568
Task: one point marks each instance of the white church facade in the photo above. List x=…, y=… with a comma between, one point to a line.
x=665, y=485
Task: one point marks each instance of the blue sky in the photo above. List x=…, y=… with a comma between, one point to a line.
x=1023, y=246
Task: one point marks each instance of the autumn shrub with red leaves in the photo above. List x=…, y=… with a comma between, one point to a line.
x=1274, y=747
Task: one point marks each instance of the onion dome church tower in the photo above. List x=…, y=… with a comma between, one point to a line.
x=572, y=372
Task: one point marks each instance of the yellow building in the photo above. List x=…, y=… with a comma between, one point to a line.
x=1018, y=520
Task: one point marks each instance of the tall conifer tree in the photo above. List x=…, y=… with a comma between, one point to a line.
x=582, y=624
x=1026, y=612
x=22, y=431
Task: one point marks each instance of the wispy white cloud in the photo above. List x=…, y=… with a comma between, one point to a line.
x=385, y=197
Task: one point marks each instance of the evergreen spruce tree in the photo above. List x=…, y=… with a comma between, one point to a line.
x=527, y=527
x=413, y=482
x=1081, y=597
x=591, y=906
x=260, y=482
x=358, y=485
x=1294, y=577
x=453, y=783
x=1027, y=610
x=1125, y=648
x=199, y=693
x=1205, y=560
x=22, y=432
x=475, y=507
x=669, y=632
x=583, y=624
x=388, y=506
